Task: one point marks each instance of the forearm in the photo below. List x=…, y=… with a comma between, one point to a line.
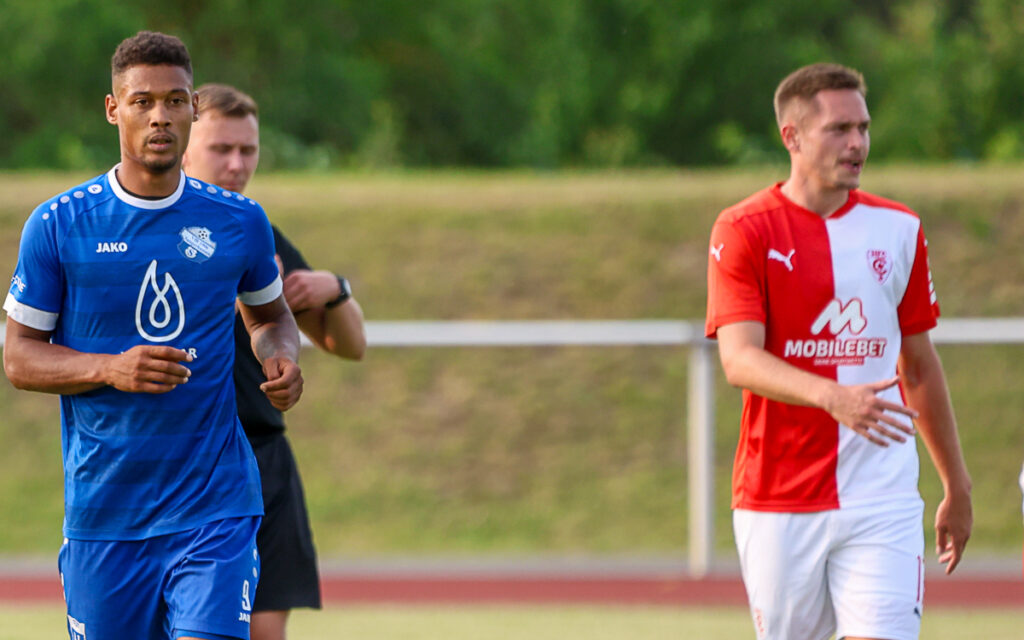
x=338, y=330
x=33, y=363
x=924, y=386
x=50, y=368
x=753, y=368
x=278, y=338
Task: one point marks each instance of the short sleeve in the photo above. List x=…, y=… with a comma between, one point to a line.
x=919, y=308
x=261, y=282
x=37, y=286
x=735, y=280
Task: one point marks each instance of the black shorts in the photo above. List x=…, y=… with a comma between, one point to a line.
x=288, y=567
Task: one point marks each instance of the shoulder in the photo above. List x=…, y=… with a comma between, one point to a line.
x=206, y=194
x=878, y=202
x=752, y=219
x=78, y=199
x=56, y=215
x=761, y=204
x=246, y=212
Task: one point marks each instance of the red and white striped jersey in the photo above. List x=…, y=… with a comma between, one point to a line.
x=836, y=295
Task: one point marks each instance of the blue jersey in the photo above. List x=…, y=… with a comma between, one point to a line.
x=106, y=271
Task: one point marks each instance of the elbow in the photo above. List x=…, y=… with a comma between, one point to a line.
x=354, y=350
x=346, y=346
x=15, y=373
x=732, y=370
x=359, y=352
x=733, y=377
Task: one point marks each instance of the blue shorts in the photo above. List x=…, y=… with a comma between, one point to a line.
x=199, y=583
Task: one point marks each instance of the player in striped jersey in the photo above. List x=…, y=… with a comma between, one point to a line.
x=821, y=299
x=123, y=302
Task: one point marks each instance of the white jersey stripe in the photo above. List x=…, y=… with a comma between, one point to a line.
x=267, y=294
x=30, y=316
x=866, y=471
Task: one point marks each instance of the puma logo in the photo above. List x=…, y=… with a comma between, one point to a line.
x=784, y=259
x=717, y=252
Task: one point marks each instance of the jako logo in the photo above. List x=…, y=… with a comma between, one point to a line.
x=837, y=317
x=111, y=247
x=159, y=313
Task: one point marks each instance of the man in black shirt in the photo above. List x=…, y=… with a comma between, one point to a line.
x=224, y=150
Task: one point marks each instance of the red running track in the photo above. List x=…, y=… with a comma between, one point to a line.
x=416, y=589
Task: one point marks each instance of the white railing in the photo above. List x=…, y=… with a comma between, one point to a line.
x=700, y=375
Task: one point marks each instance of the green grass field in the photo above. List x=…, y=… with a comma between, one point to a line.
x=534, y=623
x=561, y=450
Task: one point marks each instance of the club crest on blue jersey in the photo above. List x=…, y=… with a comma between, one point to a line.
x=196, y=244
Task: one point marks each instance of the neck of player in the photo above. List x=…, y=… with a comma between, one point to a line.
x=140, y=181
x=822, y=200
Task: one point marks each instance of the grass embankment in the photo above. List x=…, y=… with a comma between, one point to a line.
x=545, y=450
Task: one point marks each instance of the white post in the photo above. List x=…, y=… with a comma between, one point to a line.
x=701, y=446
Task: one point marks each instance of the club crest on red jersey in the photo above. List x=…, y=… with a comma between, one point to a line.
x=880, y=263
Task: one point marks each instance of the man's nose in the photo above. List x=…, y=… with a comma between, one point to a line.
x=159, y=117
x=235, y=162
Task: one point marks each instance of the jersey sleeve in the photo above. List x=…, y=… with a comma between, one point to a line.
x=735, y=280
x=920, y=307
x=261, y=282
x=37, y=286
x=291, y=257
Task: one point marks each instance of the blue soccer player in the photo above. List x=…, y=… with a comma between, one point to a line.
x=123, y=302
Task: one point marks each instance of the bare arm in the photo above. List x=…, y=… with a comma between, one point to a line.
x=748, y=365
x=338, y=330
x=33, y=363
x=275, y=342
x=924, y=384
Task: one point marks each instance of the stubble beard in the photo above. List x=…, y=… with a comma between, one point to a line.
x=160, y=166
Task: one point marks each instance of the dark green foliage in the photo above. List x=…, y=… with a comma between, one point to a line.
x=523, y=83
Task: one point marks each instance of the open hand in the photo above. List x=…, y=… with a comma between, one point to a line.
x=859, y=408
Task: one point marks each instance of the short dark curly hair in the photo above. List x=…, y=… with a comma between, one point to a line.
x=150, y=47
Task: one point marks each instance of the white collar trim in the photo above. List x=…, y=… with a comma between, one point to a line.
x=143, y=203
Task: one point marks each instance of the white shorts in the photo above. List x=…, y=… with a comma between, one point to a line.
x=852, y=571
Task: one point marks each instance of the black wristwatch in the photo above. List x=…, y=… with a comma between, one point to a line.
x=346, y=293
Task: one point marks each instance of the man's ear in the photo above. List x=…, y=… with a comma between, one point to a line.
x=195, y=106
x=790, y=137
x=110, y=104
